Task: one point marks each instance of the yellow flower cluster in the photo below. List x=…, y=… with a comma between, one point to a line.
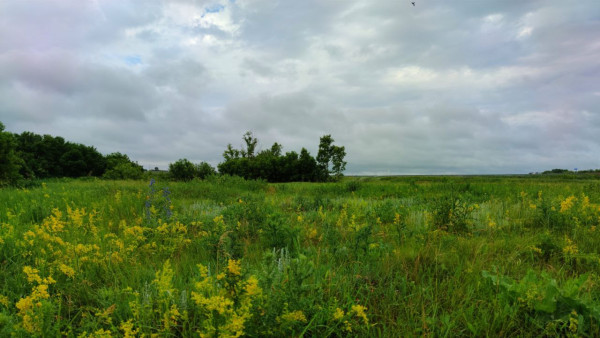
x=234, y=268
x=567, y=204
x=359, y=311
x=570, y=248
x=357, y=315
x=295, y=316
x=226, y=301
x=128, y=330
x=29, y=307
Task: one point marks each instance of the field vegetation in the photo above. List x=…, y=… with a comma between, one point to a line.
x=393, y=256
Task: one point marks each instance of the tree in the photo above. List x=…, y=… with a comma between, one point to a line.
x=204, y=170
x=29, y=150
x=182, y=170
x=120, y=167
x=230, y=153
x=330, y=154
x=123, y=171
x=276, y=149
x=338, y=165
x=73, y=163
x=10, y=163
x=251, y=143
x=51, y=150
x=307, y=167
x=94, y=161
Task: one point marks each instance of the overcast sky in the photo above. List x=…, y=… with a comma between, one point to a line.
x=443, y=87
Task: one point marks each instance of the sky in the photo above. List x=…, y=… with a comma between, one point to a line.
x=442, y=87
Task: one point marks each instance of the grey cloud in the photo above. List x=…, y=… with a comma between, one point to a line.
x=442, y=87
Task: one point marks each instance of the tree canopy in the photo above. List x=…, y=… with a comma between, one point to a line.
x=275, y=166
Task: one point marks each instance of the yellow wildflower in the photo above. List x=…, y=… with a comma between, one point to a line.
x=570, y=247
x=491, y=223
x=234, y=268
x=536, y=249
x=67, y=270
x=295, y=316
x=567, y=203
x=359, y=311
x=32, y=274
x=102, y=333
x=573, y=321
x=338, y=314
x=127, y=328
x=348, y=326
x=163, y=278
x=4, y=300
x=252, y=287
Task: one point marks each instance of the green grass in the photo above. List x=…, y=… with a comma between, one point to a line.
x=442, y=256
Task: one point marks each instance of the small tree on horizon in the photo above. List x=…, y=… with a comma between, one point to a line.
x=330, y=154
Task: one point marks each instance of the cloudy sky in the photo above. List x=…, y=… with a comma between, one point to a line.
x=443, y=87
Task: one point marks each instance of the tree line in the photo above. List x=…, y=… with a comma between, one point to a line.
x=31, y=156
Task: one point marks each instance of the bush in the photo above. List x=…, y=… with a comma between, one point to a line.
x=124, y=171
x=184, y=170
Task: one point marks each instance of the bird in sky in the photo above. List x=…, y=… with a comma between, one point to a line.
x=413, y=3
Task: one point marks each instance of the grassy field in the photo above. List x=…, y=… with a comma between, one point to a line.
x=400, y=256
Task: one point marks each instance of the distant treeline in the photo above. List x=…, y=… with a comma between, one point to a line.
x=566, y=171
x=28, y=156
x=270, y=164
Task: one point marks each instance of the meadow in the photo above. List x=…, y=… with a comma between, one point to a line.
x=370, y=256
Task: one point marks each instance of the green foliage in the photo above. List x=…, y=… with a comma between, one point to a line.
x=120, y=167
x=452, y=214
x=550, y=306
x=274, y=166
x=204, y=169
x=124, y=171
x=10, y=163
x=331, y=155
x=182, y=170
x=48, y=156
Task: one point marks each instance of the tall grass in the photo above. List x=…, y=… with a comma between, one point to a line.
x=401, y=256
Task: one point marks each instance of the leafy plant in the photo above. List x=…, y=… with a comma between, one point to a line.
x=549, y=305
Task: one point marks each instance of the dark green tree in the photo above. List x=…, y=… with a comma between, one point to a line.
x=51, y=150
x=29, y=149
x=119, y=166
x=230, y=153
x=338, y=165
x=10, y=163
x=73, y=163
x=182, y=170
x=204, y=170
x=330, y=159
x=307, y=167
x=251, y=143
